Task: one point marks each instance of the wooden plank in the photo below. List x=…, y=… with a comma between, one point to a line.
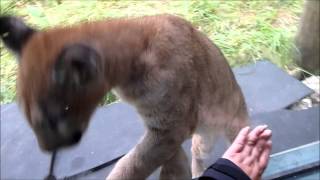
x=293, y=161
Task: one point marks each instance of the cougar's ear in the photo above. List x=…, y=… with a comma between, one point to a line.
x=14, y=33
x=76, y=66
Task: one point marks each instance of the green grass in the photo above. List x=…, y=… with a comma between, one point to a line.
x=244, y=30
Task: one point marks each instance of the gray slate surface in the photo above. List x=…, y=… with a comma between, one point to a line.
x=268, y=88
x=116, y=128
x=290, y=129
x=113, y=131
x=21, y=157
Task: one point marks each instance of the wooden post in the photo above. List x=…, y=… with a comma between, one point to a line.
x=307, y=39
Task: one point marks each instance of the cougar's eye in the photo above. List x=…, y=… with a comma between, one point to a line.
x=65, y=110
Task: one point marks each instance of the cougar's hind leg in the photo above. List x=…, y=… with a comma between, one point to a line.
x=202, y=144
x=177, y=168
x=234, y=127
x=239, y=118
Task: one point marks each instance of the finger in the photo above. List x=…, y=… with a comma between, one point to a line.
x=252, y=139
x=240, y=140
x=257, y=149
x=255, y=133
x=266, y=134
x=264, y=158
x=256, y=152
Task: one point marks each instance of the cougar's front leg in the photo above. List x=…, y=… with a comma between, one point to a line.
x=156, y=147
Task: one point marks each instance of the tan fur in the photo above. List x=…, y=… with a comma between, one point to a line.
x=179, y=82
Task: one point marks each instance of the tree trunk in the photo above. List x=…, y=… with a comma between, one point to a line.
x=307, y=39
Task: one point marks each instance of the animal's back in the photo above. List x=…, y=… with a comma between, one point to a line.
x=185, y=71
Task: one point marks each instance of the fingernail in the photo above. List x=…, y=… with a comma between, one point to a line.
x=245, y=129
x=269, y=131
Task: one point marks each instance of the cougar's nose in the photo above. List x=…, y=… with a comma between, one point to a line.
x=76, y=136
x=53, y=135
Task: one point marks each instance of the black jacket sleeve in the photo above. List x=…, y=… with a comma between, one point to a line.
x=224, y=169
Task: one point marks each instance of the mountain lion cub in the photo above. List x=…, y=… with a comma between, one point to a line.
x=176, y=78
